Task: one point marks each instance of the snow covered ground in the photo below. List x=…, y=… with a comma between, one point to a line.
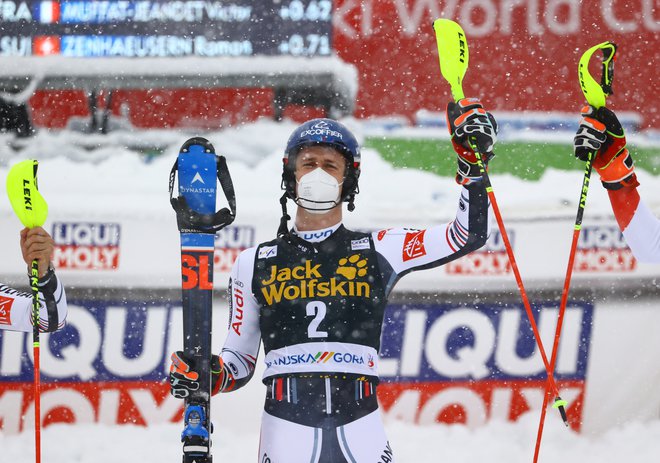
x=496, y=443
x=82, y=182
x=105, y=170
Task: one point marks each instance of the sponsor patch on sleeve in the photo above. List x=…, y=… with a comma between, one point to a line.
x=5, y=310
x=382, y=233
x=413, y=245
x=362, y=243
x=267, y=251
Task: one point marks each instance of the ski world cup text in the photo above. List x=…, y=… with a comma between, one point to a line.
x=86, y=245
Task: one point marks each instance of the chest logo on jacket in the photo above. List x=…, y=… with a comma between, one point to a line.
x=413, y=245
x=308, y=280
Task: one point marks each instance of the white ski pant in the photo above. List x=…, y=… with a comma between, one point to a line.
x=360, y=441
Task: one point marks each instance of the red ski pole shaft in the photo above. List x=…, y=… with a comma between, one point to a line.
x=521, y=287
x=514, y=267
x=567, y=285
x=37, y=404
x=596, y=95
x=34, y=279
x=454, y=56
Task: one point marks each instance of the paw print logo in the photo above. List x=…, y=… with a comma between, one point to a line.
x=352, y=267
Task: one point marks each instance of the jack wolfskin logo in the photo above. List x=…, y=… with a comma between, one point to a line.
x=352, y=267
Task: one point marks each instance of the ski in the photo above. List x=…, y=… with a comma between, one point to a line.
x=199, y=169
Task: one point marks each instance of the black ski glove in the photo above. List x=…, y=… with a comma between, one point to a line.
x=469, y=122
x=184, y=379
x=601, y=131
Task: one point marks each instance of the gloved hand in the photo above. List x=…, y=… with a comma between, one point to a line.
x=601, y=131
x=184, y=379
x=469, y=123
x=37, y=244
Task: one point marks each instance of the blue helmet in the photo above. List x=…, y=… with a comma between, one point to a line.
x=327, y=132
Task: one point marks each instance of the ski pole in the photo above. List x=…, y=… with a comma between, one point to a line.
x=32, y=210
x=596, y=95
x=454, y=56
x=34, y=278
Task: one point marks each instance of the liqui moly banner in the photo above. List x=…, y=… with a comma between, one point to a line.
x=107, y=365
x=86, y=245
x=229, y=243
x=602, y=248
x=492, y=259
x=447, y=363
x=471, y=364
x=97, y=245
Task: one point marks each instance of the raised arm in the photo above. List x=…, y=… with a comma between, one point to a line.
x=16, y=306
x=640, y=227
x=405, y=250
x=601, y=131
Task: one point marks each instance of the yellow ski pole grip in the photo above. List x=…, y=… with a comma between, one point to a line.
x=453, y=54
x=596, y=93
x=28, y=204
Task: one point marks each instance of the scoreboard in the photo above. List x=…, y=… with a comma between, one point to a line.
x=165, y=28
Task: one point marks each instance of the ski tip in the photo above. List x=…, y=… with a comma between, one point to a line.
x=206, y=145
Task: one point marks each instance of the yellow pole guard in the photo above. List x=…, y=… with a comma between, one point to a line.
x=453, y=53
x=28, y=204
x=592, y=90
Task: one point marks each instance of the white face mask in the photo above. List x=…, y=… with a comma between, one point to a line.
x=318, y=191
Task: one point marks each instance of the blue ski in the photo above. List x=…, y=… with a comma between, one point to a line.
x=199, y=170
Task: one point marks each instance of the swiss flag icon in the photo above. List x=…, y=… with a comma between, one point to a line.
x=48, y=12
x=44, y=45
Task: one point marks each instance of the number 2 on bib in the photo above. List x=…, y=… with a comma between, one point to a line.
x=317, y=309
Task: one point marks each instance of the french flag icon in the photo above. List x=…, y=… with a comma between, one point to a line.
x=49, y=12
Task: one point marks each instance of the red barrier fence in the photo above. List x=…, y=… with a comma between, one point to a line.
x=524, y=56
x=523, y=53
